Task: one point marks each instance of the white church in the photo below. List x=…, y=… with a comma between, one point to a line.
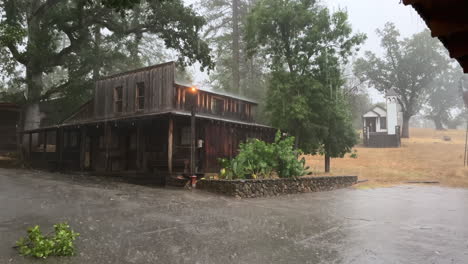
x=381, y=126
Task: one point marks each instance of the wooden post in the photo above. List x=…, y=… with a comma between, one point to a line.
x=139, y=147
x=30, y=146
x=170, y=136
x=57, y=140
x=107, y=141
x=82, y=148
x=60, y=145
x=44, y=150
x=192, y=141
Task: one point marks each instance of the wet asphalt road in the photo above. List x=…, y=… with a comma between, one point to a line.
x=127, y=223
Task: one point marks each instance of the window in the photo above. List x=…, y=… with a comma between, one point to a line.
x=140, y=96
x=190, y=100
x=118, y=99
x=242, y=108
x=217, y=106
x=383, y=123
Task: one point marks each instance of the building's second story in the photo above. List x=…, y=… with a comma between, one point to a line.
x=154, y=90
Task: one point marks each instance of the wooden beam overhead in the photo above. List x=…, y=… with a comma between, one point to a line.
x=444, y=28
x=457, y=45
x=447, y=20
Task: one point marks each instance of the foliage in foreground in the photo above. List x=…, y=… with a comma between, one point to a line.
x=259, y=159
x=41, y=246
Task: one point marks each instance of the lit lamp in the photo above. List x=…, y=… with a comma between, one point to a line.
x=193, y=177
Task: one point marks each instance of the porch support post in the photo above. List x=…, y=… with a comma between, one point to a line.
x=82, y=147
x=139, y=146
x=57, y=143
x=30, y=146
x=170, y=137
x=60, y=146
x=44, y=150
x=107, y=140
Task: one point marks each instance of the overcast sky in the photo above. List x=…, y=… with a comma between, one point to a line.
x=366, y=16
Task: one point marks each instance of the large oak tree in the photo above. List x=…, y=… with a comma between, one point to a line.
x=408, y=66
x=80, y=37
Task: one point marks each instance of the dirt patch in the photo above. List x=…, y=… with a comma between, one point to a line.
x=426, y=156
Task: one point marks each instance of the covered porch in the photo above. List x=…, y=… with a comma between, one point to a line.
x=159, y=145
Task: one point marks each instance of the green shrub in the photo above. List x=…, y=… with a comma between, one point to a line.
x=259, y=159
x=354, y=155
x=41, y=246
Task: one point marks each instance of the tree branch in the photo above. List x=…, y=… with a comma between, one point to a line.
x=54, y=90
x=19, y=57
x=41, y=9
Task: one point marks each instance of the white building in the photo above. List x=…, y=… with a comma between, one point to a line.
x=380, y=122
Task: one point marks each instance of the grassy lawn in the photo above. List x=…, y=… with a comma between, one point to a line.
x=423, y=157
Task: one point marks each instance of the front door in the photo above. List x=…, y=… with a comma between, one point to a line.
x=371, y=123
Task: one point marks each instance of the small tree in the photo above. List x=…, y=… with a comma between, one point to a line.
x=341, y=136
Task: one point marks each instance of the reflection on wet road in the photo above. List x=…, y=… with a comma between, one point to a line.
x=125, y=223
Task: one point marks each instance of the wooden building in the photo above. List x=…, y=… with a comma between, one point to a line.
x=140, y=122
x=9, y=118
x=381, y=125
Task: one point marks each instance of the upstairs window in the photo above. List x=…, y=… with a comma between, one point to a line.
x=242, y=108
x=118, y=103
x=140, y=96
x=217, y=106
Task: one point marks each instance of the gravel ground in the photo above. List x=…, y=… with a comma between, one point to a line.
x=121, y=222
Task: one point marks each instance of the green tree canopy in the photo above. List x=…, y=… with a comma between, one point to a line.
x=305, y=44
x=82, y=39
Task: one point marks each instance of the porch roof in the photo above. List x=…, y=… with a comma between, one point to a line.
x=145, y=116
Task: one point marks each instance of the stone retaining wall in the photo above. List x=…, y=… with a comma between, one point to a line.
x=272, y=187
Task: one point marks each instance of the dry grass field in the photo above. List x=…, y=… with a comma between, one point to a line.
x=423, y=157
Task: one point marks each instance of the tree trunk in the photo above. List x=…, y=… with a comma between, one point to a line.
x=97, y=45
x=327, y=163
x=438, y=123
x=296, y=139
x=405, y=128
x=235, y=46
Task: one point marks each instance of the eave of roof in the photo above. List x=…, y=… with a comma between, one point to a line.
x=221, y=93
x=448, y=21
x=136, y=70
x=144, y=116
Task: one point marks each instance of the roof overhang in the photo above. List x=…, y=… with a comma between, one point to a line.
x=448, y=21
x=143, y=117
x=220, y=93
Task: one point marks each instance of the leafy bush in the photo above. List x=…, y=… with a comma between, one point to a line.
x=259, y=159
x=41, y=246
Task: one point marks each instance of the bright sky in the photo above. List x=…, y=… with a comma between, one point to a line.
x=366, y=16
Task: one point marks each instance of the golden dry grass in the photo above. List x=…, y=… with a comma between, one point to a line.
x=423, y=157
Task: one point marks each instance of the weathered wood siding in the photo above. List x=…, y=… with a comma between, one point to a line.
x=9, y=117
x=222, y=141
x=85, y=112
x=158, y=86
x=230, y=108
